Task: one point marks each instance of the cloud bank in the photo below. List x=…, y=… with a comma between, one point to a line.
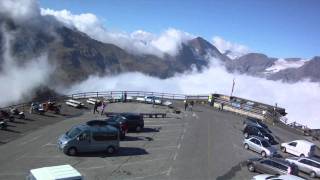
x=19, y=81
x=138, y=42
x=294, y=97
x=233, y=50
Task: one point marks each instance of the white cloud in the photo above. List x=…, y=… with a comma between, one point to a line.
x=19, y=10
x=17, y=81
x=293, y=97
x=138, y=42
x=235, y=50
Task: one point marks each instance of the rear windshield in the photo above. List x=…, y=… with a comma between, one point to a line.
x=73, y=132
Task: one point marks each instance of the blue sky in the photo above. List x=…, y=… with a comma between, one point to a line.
x=278, y=28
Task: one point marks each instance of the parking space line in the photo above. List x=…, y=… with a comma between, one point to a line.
x=49, y=144
x=175, y=156
x=179, y=146
x=27, y=142
x=169, y=171
x=144, y=161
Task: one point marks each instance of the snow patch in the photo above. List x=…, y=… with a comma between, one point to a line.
x=282, y=64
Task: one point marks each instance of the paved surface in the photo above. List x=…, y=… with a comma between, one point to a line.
x=203, y=144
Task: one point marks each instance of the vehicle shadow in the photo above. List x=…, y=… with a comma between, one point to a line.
x=10, y=130
x=123, y=151
x=139, y=138
x=146, y=130
x=28, y=119
x=18, y=122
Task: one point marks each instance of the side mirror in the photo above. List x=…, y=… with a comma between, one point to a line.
x=78, y=138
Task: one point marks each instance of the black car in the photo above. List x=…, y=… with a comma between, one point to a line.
x=249, y=121
x=135, y=121
x=274, y=166
x=116, y=121
x=258, y=131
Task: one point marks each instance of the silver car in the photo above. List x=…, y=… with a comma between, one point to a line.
x=260, y=146
x=310, y=166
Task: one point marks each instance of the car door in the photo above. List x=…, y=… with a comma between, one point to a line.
x=279, y=168
x=255, y=144
x=84, y=142
x=291, y=148
x=265, y=166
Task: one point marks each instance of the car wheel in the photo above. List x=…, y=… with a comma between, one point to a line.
x=251, y=168
x=246, y=146
x=263, y=154
x=138, y=128
x=246, y=135
x=72, y=151
x=312, y=174
x=111, y=150
x=302, y=155
x=283, y=149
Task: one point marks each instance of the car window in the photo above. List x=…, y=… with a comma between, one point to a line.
x=280, y=166
x=294, y=144
x=101, y=136
x=315, y=164
x=73, y=132
x=310, y=163
x=267, y=162
x=265, y=144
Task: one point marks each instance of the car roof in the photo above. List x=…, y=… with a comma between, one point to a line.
x=257, y=137
x=303, y=141
x=106, y=128
x=279, y=160
x=55, y=172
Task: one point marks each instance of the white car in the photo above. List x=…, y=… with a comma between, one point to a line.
x=61, y=172
x=276, y=177
x=300, y=148
x=149, y=99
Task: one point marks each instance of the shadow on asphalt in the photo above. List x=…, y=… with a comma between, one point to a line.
x=141, y=138
x=28, y=119
x=146, y=130
x=10, y=130
x=232, y=172
x=123, y=151
x=18, y=122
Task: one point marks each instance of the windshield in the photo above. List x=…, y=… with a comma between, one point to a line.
x=265, y=144
x=73, y=132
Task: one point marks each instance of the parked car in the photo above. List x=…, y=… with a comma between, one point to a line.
x=310, y=166
x=276, y=177
x=62, y=172
x=300, y=148
x=120, y=123
x=86, y=138
x=256, y=122
x=260, y=132
x=274, y=166
x=135, y=121
x=149, y=99
x=259, y=145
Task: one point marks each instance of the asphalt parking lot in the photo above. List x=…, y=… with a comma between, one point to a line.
x=203, y=144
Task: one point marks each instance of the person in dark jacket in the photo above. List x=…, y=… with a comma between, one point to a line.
x=95, y=108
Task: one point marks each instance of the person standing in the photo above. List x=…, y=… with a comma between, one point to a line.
x=191, y=105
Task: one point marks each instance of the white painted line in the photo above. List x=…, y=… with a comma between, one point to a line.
x=182, y=136
x=49, y=144
x=175, y=156
x=169, y=171
x=27, y=142
x=179, y=146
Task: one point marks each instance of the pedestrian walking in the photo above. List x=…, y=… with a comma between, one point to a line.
x=153, y=101
x=185, y=105
x=125, y=96
x=95, y=108
x=222, y=104
x=191, y=105
x=104, y=104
